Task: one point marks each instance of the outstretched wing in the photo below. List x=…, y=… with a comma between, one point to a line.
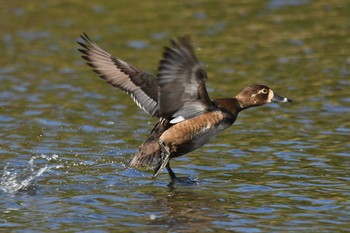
x=142, y=87
x=183, y=93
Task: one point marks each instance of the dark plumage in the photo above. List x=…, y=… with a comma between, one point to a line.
x=188, y=118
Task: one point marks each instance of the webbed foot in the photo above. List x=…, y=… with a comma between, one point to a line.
x=183, y=181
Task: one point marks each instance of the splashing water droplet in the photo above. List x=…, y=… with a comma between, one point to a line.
x=13, y=180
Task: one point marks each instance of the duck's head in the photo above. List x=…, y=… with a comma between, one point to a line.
x=257, y=95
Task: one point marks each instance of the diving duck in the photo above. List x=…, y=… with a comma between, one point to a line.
x=187, y=117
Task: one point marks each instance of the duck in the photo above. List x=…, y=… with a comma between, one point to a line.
x=187, y=118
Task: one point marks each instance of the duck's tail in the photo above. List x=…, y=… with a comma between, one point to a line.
x=149, y=152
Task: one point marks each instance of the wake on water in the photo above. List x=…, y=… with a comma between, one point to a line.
x=14, y=180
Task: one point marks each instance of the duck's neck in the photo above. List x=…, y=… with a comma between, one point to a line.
x=232, y=105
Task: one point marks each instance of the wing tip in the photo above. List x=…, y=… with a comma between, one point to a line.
x=85, y=37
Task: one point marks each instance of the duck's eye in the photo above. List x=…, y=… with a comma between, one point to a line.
x=264, y=91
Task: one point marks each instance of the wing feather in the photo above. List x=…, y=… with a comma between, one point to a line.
x=182, y=82
x=142, y=87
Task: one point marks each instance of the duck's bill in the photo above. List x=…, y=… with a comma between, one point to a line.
x=280, y=99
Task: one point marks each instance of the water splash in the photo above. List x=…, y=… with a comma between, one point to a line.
x=13, y=180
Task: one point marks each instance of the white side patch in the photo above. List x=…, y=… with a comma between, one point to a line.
x=177, y=120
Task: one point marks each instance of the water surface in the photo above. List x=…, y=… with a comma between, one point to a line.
x=66, y=137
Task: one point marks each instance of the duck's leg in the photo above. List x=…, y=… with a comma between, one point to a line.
x=164, y=160
x=171, y=172
x=156, y=168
